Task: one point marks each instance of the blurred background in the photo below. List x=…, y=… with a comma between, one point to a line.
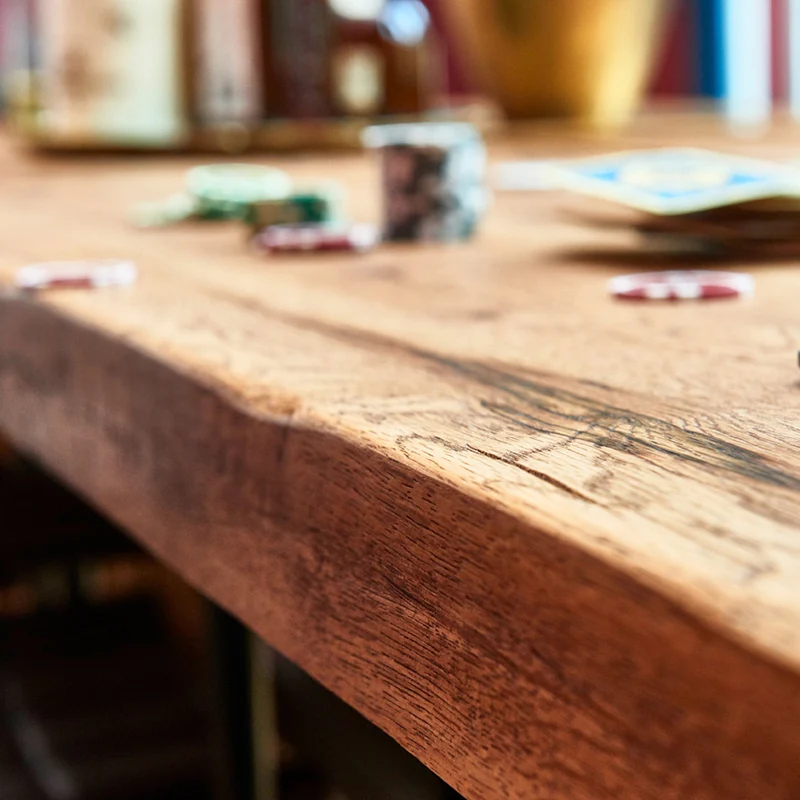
x=251, y=74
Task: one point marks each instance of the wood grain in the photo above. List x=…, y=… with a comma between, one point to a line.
x=547, y=541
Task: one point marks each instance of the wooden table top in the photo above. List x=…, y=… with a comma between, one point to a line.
x=548, y=541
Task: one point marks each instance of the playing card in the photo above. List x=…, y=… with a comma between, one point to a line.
x=789, y=204
x=677, y=180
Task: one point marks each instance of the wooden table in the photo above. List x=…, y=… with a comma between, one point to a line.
x=548, y=541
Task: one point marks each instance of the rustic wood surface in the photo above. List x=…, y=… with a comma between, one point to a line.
x=548, y=541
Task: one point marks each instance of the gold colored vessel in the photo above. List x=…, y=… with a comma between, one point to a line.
x=587, y=59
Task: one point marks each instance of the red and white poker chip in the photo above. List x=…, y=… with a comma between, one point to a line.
x=319, y=237
x=682, y=285
x=76, y=275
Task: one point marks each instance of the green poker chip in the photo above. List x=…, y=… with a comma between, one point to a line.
x=314, y=206
x=226, y=191
x=175, y=208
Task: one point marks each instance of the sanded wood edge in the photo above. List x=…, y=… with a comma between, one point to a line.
x=512, y=664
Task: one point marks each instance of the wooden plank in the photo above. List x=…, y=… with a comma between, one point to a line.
x=547, y=541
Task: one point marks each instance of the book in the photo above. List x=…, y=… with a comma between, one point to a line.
x=112, y=70
x=228, y=43
x=675, y=73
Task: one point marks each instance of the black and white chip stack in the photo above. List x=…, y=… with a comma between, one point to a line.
x=433, y=179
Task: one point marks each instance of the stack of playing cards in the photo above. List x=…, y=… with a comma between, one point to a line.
x=692, y=200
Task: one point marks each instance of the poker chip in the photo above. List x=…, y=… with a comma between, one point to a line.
x=76, y=275
x=307, y=206
x=241, y=182
x=316, y=238
x=226, y=191
x=177, y=207
x=433, y=179
x=682, y=285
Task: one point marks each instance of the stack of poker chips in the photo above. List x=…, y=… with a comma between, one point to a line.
x=280, y=217
x=692, y=201
x=433, y=187
x=257, y=195
x=433, y=180
x=227, y=191
x=320, y=205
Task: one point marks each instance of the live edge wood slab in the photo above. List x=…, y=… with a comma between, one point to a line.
x=548, y=541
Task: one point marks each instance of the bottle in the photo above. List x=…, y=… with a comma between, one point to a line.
x=414, y=77
x=298, y=39
x=384, y=58
x=359, y=58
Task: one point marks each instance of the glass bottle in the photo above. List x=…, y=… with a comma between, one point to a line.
x=384, y=58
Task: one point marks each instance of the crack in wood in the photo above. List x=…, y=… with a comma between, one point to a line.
x=664, y=438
